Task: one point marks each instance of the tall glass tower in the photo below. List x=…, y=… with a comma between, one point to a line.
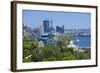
x=46, y=26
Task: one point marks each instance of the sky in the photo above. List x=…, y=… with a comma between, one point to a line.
x=70, y=20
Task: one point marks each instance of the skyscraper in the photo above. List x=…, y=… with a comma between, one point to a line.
x=46, y=26
x=60, y=29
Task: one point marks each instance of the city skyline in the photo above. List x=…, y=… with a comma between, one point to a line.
x=70, y=20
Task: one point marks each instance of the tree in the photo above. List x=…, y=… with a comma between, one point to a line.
x=63, y=41
x=68, y=56
x=37, y=55
x=27, y=43
x=85, y=55
x=52, y=51
x=26, y=52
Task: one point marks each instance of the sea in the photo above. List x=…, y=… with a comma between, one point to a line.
x=83, y=41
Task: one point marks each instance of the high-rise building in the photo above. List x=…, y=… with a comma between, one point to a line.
x=37, y=30
x=46, y=26
x=60, y=29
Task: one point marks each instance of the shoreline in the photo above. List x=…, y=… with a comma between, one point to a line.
x=84, y=49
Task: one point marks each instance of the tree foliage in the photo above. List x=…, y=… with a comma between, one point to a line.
x=51, y=51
